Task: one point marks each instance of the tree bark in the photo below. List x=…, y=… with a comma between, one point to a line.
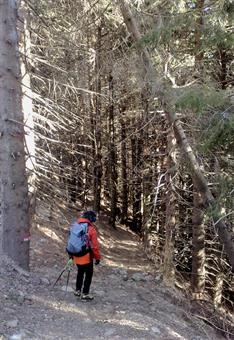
x=124, y=172
x=198, y=253
x=27, y=104
x=225, y=233
x=112, y=156
x=97, y=166
x=198, y=35
x=14, y=213
x=218, y=290
x=136, y=184
x=170, y=223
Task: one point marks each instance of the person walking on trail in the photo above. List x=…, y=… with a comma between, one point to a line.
x=85, y=263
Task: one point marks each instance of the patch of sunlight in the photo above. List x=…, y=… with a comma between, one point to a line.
x=173, y=141
x=50, y=233
x=188, y=148
x=129, y=323
x=129, y=243
x=117, y=264
x=125, y=247
x=59, y=305
x=111, y=263
x=175, y=334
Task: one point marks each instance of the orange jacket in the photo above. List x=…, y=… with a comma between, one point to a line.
x=95, y=253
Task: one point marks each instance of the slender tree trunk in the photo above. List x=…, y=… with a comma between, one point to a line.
x=97, y=166
x=225, y=233
x=14, y=213
x=218, y=289
x=217, y=267
x=136, y=183
x=112, y=156
x=198, y=253
x=222, y=74
x=198, y=36
x=170, y=223
x=124, y=173
x=139, y=194
x=133, y=182
x=84, y=151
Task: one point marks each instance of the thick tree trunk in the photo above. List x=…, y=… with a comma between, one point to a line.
x=14, y=216
x=27, y=104
x=224, y=231
x=130, y=22
x=226, y=235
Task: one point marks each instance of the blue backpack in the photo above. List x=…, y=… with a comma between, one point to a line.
x=78, y=241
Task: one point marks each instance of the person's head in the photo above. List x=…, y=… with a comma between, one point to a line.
x=90, y=215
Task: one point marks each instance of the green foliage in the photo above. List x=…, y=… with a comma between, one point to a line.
x=215, y=111
x=224, y=202
x=200, y=98
x=217, y=38
x=172, y=28
x=220, y=132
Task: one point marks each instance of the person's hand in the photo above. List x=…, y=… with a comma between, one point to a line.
x=97, y=262
x=70, y=263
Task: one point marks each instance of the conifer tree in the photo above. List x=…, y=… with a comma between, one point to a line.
x=14, y=214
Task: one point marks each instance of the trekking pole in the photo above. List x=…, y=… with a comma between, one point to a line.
x=68, y=275
x=66, y=268
x=69, y=268
x=59, y=277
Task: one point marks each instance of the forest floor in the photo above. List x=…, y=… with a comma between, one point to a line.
x=131, y=302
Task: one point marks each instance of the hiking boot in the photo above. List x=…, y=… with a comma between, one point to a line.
x=87, y=297
x=77, y=293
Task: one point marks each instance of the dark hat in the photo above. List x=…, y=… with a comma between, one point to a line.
x=90, y=215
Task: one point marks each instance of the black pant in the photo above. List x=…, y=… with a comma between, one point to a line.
x=84, y=274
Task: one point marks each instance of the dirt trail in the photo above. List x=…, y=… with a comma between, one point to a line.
x=130, y=300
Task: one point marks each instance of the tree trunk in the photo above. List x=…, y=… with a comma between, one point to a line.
x=170, y=223
x=225, y=233
x=124, y=173
x=218, y=290
x=223, y=58
x=13, y=186
x=198, y=36
x=27, y=104
x=198, y=253
x=138, y=189
x=136, y=183
x=84, y=150
x=97, y=165
x=112, y=156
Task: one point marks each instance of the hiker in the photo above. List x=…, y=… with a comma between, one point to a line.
x=85, y=262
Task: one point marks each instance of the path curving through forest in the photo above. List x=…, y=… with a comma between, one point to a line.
x=130, y=302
